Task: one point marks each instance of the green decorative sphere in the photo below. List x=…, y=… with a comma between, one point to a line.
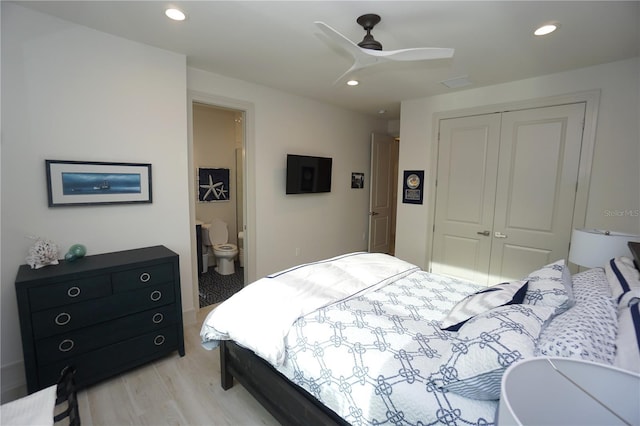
x=70, y=257
x=76, y=251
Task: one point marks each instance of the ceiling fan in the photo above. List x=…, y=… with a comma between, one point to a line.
x=369, y=51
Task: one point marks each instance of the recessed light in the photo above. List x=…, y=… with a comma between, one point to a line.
x=175, y=14
x=546, y=29
x=382, y=111
x=353, y=82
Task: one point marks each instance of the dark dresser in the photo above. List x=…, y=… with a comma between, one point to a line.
x=101, y=314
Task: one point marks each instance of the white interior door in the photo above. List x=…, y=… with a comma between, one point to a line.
x=383, y=156
x=465, y=196
x=536, y=190
x=505, y=195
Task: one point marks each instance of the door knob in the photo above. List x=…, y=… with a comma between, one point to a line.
x=373, y=213
x=499, y=235
x=485, y=233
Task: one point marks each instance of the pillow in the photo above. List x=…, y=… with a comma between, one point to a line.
x=550, y=286
x=628, y=339
x=590, y=283
x=482, y=301
x=486, y=345
x=628, y=299
x=586, y=331
x=622, y=276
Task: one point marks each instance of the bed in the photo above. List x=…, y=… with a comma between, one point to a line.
x=367, y=338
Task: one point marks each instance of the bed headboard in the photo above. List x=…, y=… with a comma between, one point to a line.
x=635, y=250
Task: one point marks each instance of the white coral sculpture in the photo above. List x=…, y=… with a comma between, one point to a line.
x=42, y=253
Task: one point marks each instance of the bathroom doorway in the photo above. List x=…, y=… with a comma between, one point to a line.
x=218, y=146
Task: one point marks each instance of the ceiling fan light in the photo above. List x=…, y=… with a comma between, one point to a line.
x=353, y=82
x=175, y=14
x=546, y=29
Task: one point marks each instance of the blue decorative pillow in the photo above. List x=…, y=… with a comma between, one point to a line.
x=486, y=345
x=482, y=301
x=550, y=286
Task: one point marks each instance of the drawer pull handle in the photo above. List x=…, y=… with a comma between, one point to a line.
x=63, y=318
x=73, y=291
x=157, y=318
x=158, y=340
x=66, y=345
x=145, y=277
x=156, y=295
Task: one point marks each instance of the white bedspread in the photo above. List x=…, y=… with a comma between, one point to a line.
x=259, y=316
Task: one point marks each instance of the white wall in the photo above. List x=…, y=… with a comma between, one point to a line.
x=614, y=195
x=71, y=93
x=320, y=225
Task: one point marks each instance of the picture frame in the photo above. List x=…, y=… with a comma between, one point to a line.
x=413, y=186
x=213, y=184
x=88, y=183
x=357, y=180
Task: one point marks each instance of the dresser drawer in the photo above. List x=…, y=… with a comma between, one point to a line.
x=66, y=318
x=77, y=342
x=104, y=362
x=101, y=313
x=142, y=277
x=67, y=292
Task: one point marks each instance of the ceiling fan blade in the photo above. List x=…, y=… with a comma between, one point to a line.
x=339, y=39
x=367, y=57
x=348, y=72
x=415, y=54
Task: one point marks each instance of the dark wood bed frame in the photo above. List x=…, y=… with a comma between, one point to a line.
x=286, y=401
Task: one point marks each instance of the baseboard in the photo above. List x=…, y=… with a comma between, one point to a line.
x=14, y=383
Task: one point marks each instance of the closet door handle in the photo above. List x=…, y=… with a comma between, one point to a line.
x=485, y=233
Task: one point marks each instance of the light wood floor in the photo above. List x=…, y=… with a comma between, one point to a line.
x=173, y=391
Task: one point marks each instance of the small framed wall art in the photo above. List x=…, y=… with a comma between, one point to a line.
x=357, y=180
x=213, y=185
x=412, y=186
x=85, y=183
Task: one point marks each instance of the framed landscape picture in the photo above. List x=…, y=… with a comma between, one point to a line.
x=83, y=183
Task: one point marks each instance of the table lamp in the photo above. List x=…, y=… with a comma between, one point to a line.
x=593, y=248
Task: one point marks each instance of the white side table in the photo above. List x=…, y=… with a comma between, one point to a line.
x=574, y=393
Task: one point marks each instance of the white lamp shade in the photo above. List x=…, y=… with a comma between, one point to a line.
x=593, y=248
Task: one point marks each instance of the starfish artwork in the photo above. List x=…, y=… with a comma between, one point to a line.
x=213, y=184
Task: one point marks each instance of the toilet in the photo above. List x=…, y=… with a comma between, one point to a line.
x=216, y=236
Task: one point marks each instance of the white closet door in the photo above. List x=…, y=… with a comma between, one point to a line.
x=536, y=188
x=465, y=196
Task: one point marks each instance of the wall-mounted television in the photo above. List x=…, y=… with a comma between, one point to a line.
x=307, y=174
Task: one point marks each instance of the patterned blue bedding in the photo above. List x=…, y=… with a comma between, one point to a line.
x=370, y=358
